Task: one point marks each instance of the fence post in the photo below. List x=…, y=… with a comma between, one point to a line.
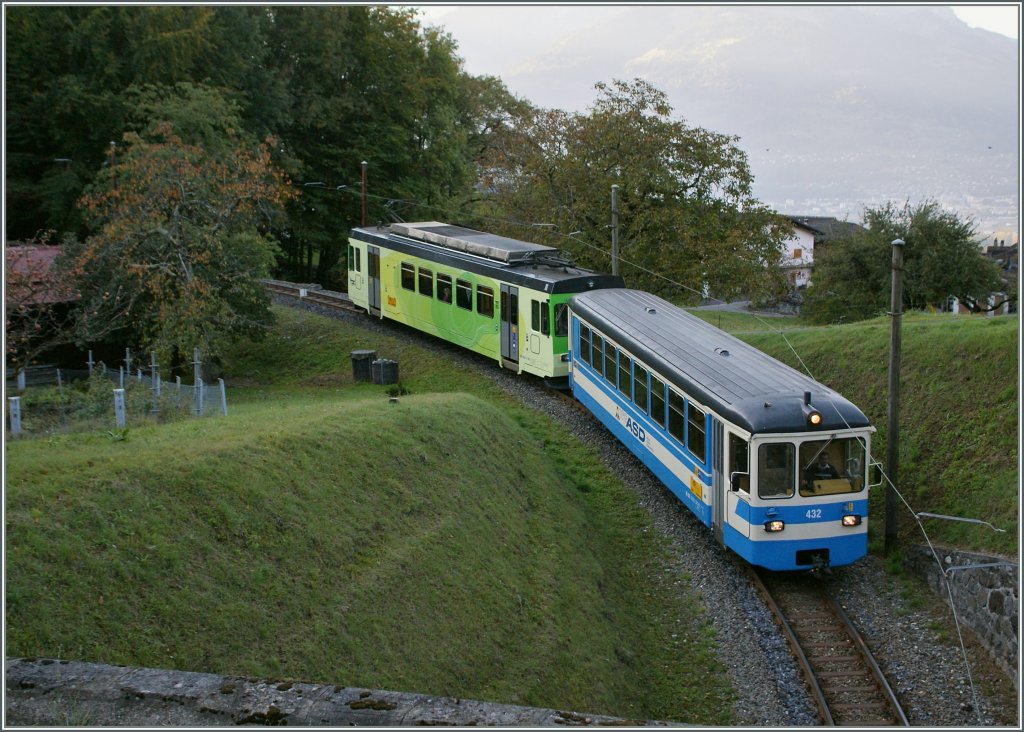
x=128, y=361
x=199, y=396
x=120, y=376
x=156, y=393
x=60, y=394
x=15, y=406
x=90, y=363
x=21, y=380
x=223, y=398
x=177, y=395
x=119, y=407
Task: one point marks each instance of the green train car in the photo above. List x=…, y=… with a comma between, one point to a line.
x=503, y=298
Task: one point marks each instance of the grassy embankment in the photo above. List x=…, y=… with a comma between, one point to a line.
x=454, y=543
x=958, y=412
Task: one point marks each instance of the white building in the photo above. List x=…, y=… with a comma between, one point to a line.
x=810, y=233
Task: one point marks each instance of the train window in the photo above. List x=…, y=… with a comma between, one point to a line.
x=535, y=315
x=597, y=348
x=640, y=386
x=485, y=301
x=408, y=276
x=351, y=257
x=464, y=294
x=776, y=470
x=584, y=353
x=676, y=416
x=658, y=400
x=444, y=288
x=373, y=261
x=831, y=466
x=695, y=438
x=359, y=264
x=625, y=382
x=426, y=282
x=545, y=318
x=609, y=363
x=739, y=463
x=561, y=319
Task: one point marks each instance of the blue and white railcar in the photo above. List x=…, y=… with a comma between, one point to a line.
x=774, y=462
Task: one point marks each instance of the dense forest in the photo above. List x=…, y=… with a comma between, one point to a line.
x=335, y=86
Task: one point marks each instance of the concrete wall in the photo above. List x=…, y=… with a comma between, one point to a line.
x=43, y=692
x=986, y=599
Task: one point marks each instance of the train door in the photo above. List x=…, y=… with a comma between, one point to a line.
x=718, y=481
x=373, y=278
x=737, y=483
x=510, y=327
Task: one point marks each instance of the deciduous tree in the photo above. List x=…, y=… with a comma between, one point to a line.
x=180, y=242
x=687, y=214
x=853, y=276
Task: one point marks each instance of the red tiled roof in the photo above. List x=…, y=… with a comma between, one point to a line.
x=26, y=275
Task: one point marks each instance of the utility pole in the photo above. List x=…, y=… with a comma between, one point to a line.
x=893, y=424
x=615, y=230
x=364, y=194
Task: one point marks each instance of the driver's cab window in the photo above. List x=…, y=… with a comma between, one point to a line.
x=832, y=466
x=776, y=470
x=739, y=463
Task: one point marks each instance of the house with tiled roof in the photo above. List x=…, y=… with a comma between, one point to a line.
x=810, y=234
x=27, y=277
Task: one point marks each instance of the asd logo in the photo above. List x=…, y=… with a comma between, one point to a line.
x=637, y=430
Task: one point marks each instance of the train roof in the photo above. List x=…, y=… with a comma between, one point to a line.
x=522, y=263
x=736, y=380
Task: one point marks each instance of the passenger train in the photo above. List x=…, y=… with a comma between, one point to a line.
x=772, y=461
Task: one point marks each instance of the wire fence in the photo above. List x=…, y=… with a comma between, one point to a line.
x=51, y=401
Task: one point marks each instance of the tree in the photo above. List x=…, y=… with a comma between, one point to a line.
x=687, y=214
x=942, y=259
x=180, y=243
x=366, y=84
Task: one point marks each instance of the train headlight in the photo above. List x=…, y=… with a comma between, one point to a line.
x=813, y=415
x=851, y=520
x=774, y=525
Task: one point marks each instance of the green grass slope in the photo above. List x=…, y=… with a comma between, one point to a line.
x=958, y=414
x=446, y=544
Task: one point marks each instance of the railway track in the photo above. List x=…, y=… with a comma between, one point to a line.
x=311, y=293
x=839, y=669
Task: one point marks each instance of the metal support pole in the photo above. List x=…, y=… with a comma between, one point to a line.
x=21, y=379
x=615, y=230
x=223, y=397
x=90, y=363
x=364, y=193
x=893, y=423
x=128, y=361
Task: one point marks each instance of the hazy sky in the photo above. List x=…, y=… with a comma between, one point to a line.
x=1003, y=18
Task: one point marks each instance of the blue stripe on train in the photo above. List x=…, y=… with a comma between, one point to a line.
x=681, y=491
x=650, y=426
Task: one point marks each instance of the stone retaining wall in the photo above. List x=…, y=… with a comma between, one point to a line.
x=986, y=599
x=42, y=692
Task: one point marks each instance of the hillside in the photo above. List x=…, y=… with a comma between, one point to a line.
x=958, y=415
x=445, y=544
